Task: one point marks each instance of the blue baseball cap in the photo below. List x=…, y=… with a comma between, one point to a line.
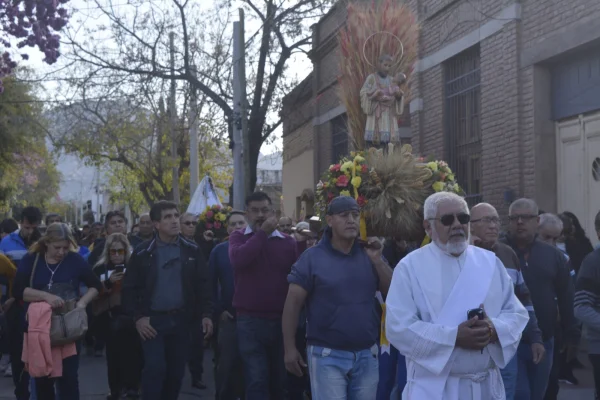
x=342, y=204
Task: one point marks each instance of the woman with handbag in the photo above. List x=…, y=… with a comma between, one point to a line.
x=123, y=346
x=52, y=272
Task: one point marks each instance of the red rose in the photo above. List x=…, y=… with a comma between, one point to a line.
x=217, y=225
x=209, y=214
x=208, y=225
x=342, y=181
x=330, y=197
x=218, y=207
x=361, y=201
x=335, y=168
x=364, y=168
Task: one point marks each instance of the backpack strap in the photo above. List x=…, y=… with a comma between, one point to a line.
x=37, y=257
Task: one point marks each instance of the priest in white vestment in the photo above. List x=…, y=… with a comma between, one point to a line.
x=449, y=357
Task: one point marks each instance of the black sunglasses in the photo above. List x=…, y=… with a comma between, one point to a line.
x=188, y=223
x=448, y=219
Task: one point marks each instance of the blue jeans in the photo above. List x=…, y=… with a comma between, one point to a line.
x=337, y=374
x=532, y=379
x=261, y=348
x=165, y=357
x=509, y=377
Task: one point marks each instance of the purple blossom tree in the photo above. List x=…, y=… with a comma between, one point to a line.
x=34, y=23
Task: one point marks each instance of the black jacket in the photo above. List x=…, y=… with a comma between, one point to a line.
x=140, y=281
x=547, y=275
x=96, y=253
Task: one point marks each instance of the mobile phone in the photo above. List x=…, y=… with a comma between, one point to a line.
x=119, y=268
x=367, y=245
x=476, y=312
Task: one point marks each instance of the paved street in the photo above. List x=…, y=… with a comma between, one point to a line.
x=94, y=384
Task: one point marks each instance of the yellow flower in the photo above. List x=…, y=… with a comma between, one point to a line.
x=220, y=217
x=346, y=166
x=457, y=189
x=438, y=186
x=450, y=177
x=356, y=181
x=432, y=166
x=359, y=159
x=345, y=193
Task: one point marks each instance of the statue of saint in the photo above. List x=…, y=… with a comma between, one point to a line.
x=383, y=102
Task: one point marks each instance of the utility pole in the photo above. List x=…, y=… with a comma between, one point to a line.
x=241, y=161
x=99, y=218
x=173, y=122
x=194, y=162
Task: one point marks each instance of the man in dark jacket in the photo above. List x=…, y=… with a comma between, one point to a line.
x=547, y=276
x=166, y=288
x=485, y=226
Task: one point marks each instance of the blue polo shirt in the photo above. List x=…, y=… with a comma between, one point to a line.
x=340, y=307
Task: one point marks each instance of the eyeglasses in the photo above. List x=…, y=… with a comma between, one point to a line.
x=190, y=223
x=488, y=220
x=448, y=219
x=524, y=217
x=117, y=252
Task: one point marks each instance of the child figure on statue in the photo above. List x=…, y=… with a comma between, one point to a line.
x=383, y=102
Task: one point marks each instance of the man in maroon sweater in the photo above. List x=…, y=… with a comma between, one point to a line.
x=261, y=257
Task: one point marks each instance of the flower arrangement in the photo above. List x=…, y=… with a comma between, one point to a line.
x=442, y=177
x=390, y=187
x=214, y=218
x=343, y=179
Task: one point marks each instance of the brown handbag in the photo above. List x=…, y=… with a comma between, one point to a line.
x=69, y=323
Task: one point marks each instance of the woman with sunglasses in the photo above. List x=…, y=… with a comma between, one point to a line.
x=123, y=347
x=52, y=272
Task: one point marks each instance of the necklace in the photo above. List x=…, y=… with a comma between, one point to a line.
x=52, y=271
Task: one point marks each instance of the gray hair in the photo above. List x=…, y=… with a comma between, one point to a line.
x=187, y=214
x=432, y=203
x=549, y=219
x=301, y=226
x=524, y=204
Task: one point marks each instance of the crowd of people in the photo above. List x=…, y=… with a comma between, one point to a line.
x=293, y=313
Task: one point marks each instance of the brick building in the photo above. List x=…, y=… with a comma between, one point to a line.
x=507, y=91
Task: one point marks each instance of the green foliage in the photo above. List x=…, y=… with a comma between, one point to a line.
x=28, y=174
x=133, y=143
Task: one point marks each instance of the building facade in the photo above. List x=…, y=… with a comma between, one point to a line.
x=508, y=92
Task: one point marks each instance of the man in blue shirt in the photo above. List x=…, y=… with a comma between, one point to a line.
x=338, y=280
x=229, y=363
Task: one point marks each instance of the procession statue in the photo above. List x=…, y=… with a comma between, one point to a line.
x=382, y=101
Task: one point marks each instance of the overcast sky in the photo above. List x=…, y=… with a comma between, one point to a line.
x=299, y=67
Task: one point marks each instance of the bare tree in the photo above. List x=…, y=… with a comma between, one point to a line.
x=133, y=42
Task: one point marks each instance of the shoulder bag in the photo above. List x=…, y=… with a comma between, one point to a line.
x=69, y=323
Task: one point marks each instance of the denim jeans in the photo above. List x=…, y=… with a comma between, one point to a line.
x=509, y=377
x=337, y=374
x=261, y=347
x=165, y=357
x=532, y=379
x=229, y=376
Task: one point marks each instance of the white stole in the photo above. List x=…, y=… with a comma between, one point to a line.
x=425, y=385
